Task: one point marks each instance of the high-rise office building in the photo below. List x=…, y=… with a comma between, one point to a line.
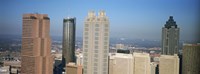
x=170, y=37
x=141, y=63
x=169, y=64
x=79, y=59
x=120, y=63
x=153, y=67
x=68, y=52
x=120, y=46
x=191, y=60
x=72, y=68
x=96, y=43
x=36, y=45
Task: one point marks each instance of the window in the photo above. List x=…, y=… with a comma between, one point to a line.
x=105, y=47
x=104, y=60
x=86, y=50
x=86, y=42
x=86, y=33
x=104, y=19
x=86, y=38
x=96, y=42
x=86, y=29
x=96, y=47
x=96, y=34
x=96, y=29
x=96, y=55
x=95, y=60
x=86, y=25
x=86, y=46
x=98, y=19
x=104, y=69
x=105, y=34
x=96, y=25
x=96, y=38
x=106, y=25
x=105, y=56
x=95, y=51
x=95, y=72
x=105, y=43
x=106, y=30
x=85, y=54
x=105, y=51
x=85, y=63
x=105, y=38
x=104, y=73
x=95, y=64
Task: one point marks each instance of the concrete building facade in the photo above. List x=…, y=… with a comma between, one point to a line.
x=191, y=60
x=96, y=43
x=169, y=64
x=72, y=68
x=36, y=45
x=120, y=63
x=141, y=63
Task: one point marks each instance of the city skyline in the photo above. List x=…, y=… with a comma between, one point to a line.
x=141, y=19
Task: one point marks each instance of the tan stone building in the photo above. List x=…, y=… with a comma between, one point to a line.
x=191, y=59
x=141, y=63
x=169, y=64
x=153, y=67
x=120, y=46
x=120, y=63
x=96, y=43
x=36, y=45
x=72, y=68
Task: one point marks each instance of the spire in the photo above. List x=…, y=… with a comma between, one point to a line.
x=170, y=23
x=91, y=14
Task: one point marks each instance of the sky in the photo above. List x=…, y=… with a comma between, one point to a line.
x=135, y=19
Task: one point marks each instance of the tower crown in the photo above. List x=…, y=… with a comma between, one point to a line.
x=102, y=13
x=91, y=14
x=170, y=23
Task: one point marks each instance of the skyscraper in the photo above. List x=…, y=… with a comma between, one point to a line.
x=96, y=43
x=120, y=63
x=169, y=64
x=141, y=63
x=68, y=52
x=36, y=45
x=72, y=68
x=191, y=60
x=170, y=37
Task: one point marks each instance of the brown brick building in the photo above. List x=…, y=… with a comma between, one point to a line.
x=36, y=45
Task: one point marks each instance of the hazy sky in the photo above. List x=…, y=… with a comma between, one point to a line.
x=136, y=19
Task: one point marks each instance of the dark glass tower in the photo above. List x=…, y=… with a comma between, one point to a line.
x=170, y=37
x=68, y=52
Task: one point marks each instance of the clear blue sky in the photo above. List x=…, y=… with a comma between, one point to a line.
x=136, y=19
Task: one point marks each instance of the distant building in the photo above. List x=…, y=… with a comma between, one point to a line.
x=169, y=64
x=69, y=35
x=58, y=68
x=79, y=59
x=191, y=59
x=5, y=70
x=141, y=63
x=71, y=68
x=96, y=43
x=170, y=38
x=36, y=45
x=120, y=46
x=153, y=68
x=120, y=63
